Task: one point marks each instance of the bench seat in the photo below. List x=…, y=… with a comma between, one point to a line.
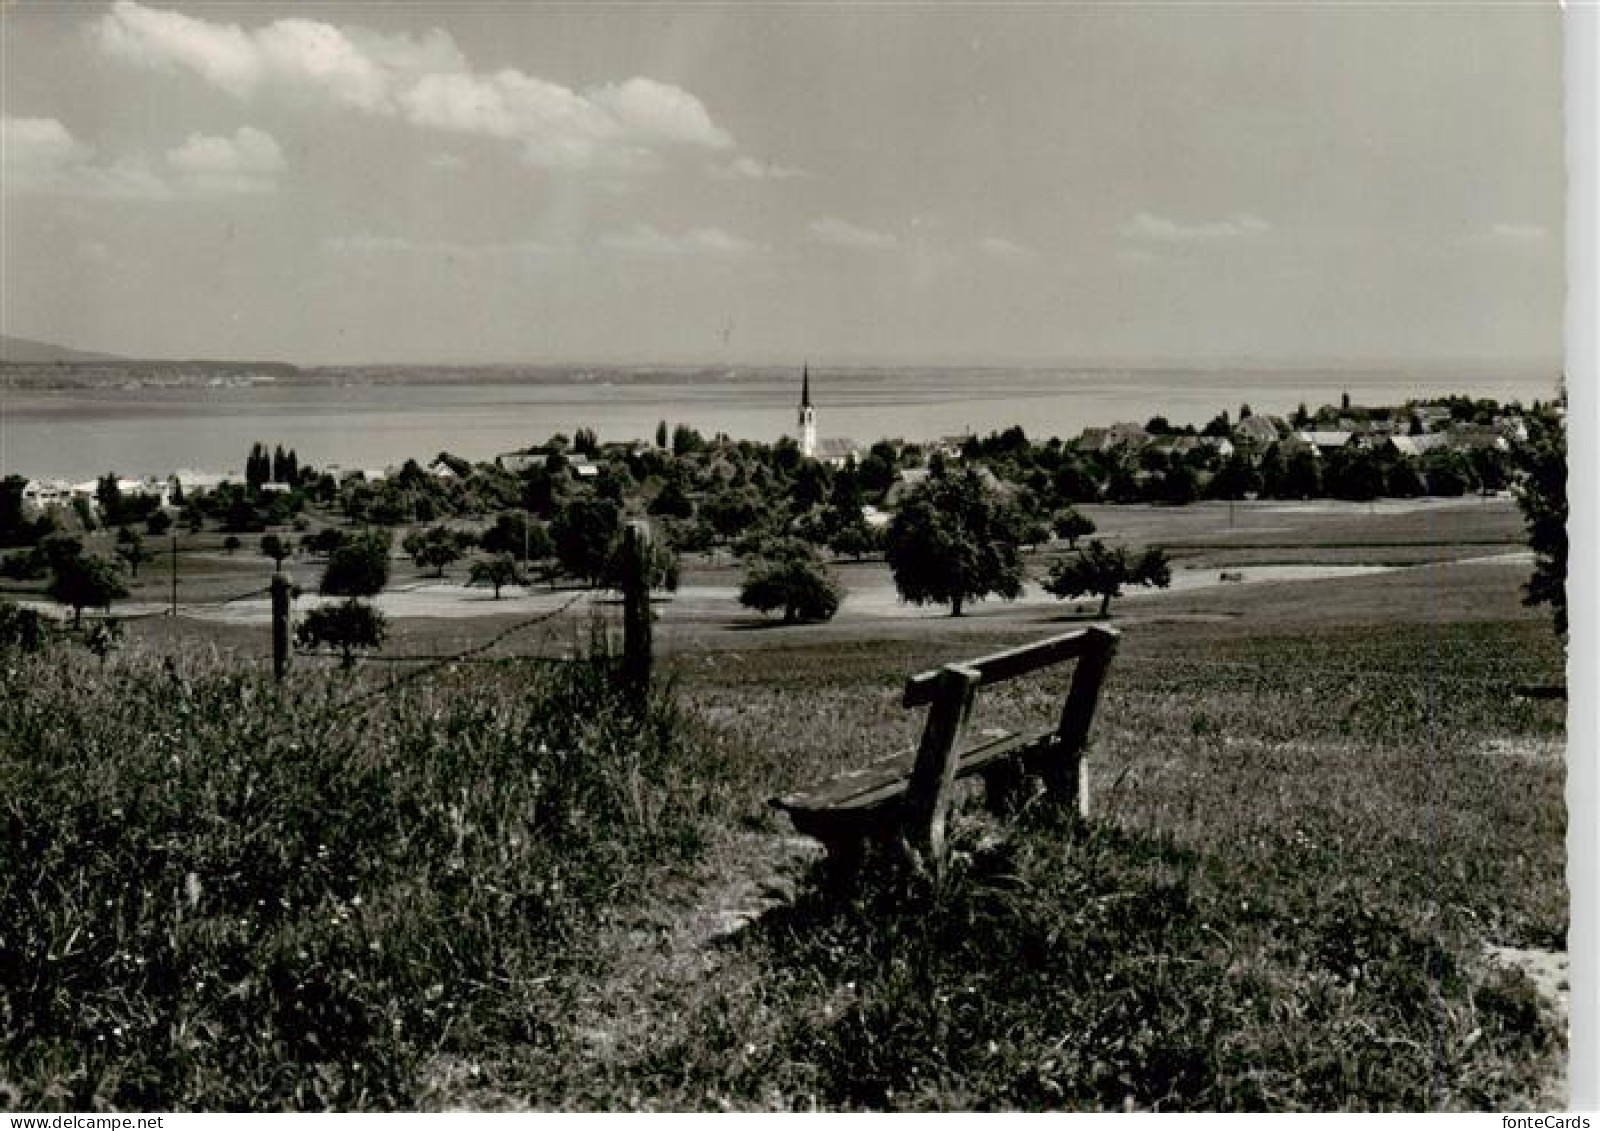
x=858, y=801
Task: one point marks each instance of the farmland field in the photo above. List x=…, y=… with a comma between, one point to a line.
x=1324, y=813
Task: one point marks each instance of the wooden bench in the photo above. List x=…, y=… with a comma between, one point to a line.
x=910, y=792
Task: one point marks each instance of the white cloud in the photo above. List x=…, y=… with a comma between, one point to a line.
x=221, y=53
x=35, y=153
x=842, y=233
x=750, y=169
x=1002, y=248
x=446, y=161
x=364, y=244
x=248, y=162
x=424, y=80
x=1521, y=232
x=40, y=156
x=1159, y=229
x=642, y=239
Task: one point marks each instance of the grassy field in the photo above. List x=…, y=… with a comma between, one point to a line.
x=1317, y=804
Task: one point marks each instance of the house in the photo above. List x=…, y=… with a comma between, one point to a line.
x=45, y=494
x=1430, y=417
x=447, y=466
x=1415, y=446
x=1476, y=437
x=1260, y=430
x=1513, y=428
x=1112, y=438
x=836, y=451
x=1326, y=441
x=583, y=467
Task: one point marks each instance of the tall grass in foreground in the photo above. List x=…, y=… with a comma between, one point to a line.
x=220, y=893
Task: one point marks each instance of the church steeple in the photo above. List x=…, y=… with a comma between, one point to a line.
x=808, y=416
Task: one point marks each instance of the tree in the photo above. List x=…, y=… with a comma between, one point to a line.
x=954, y=540
x=231, y=543
x=275, y=548
x=1099, y=570
x=108, y=494
x=661, y=435
x=498, y=571
x=660, y=564
x=130, y=548
x=1542, y=496
x=325, y=541
x=517, y=534
x=584, y=530
x=257, y=467
x=359, y=567
x=1072, y=525
x=85, y=581
x=790, y=576
x=434, y=549
x=15, y=528
x=671, y=501
x=158, y=523
x=349, y=626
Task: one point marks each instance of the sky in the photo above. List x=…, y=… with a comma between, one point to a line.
x=872, y=183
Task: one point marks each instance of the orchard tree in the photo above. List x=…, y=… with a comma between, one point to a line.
x=130, y=549
x=518, y=534
x=230, y=544
x=85, y=581
x=1072, y=524
x=276, y=548
x=584, y=531
x=498, y=571
x=359, y=567
x=434, y=548
x=954, y=540
x=1100, y=571
x=349, y=627
x=792, y=577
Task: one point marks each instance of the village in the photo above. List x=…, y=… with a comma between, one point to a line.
x=1463, y=445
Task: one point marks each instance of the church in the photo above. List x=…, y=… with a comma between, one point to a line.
x=833, y=451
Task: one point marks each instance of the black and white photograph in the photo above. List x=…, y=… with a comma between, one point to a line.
x=823, y=557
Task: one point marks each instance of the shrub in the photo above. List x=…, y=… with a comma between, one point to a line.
x=22, y=629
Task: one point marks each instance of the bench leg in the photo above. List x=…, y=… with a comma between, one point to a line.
x=1004, y=787
x=843, y=862
x=932, y=783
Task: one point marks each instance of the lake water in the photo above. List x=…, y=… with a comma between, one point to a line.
x=78, y=434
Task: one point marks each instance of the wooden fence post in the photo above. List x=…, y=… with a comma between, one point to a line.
x=636, y=642
x=933, y=776
x=1066, y=774
x=280, y=625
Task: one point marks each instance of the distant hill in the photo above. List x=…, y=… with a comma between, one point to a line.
x=24, y=351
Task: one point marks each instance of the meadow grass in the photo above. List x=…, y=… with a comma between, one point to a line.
x=220, y=893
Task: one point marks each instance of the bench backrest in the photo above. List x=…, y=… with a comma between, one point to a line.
x=1001, y=666
x=949, y=694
